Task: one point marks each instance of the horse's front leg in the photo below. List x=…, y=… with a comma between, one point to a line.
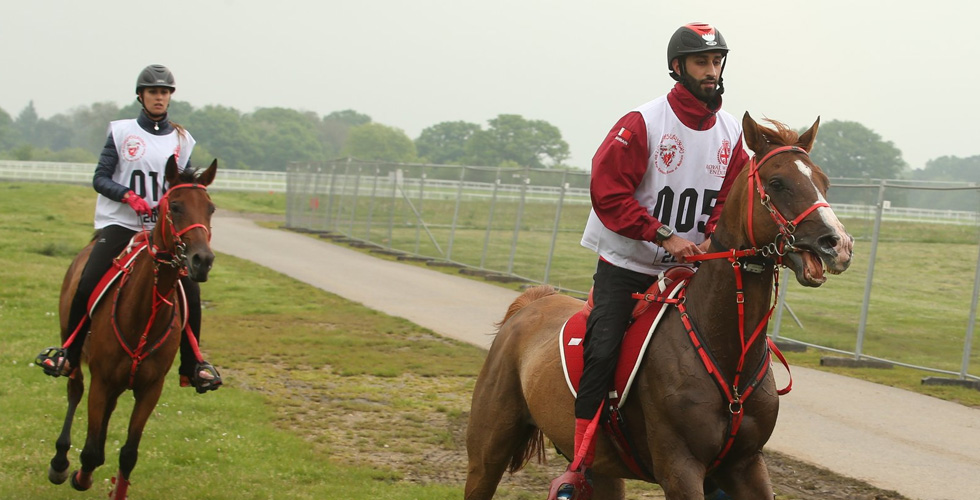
x=58, y=468
x=146, y=401
x=100, y=407
x=746, y=479
x=683, y=483
x=679, y=473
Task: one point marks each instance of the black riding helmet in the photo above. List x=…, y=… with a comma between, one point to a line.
x=156, y=75
x=692, y=39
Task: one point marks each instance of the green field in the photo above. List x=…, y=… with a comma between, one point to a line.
x=299, y=362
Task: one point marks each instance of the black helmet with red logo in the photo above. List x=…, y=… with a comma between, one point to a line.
x=156, y=75
x=691, y=39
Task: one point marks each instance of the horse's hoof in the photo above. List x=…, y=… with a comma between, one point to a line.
x=57, y=477
x=120, y=489
x=80, y=485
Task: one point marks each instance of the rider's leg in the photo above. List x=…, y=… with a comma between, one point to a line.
x=110, y=242
x=612, y=295
x=201, y=375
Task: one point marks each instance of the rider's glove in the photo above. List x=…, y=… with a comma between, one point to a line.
x=139, y=205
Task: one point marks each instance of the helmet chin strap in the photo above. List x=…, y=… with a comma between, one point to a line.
x=151, y=115
x=721, y=76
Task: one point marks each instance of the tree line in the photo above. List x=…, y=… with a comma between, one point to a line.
x=272, y=138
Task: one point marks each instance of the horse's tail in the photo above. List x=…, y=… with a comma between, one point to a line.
x=532, y=294
x=533, y=447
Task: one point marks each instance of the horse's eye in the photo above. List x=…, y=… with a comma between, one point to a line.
x=776, y=184
x=211, y=209
x=176, y=207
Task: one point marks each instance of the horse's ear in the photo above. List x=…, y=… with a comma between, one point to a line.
x=809, y=137
x=753, y=137
x=207, y=177
x=172, y=172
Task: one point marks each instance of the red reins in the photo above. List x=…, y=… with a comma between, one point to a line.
x=734, y=392
x=176, y=260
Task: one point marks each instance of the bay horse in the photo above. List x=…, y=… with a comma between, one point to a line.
x=681, y=417
x=135, y=329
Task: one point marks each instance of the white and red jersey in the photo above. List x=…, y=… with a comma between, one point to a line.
x=669, y=161
x=142, y=167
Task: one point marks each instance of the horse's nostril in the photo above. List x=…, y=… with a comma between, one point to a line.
x=829, y=242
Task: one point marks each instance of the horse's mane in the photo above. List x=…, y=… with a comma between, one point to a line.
x=780, y=134
x=188, y=175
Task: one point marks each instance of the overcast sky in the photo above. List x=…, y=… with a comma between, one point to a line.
x=906, y=70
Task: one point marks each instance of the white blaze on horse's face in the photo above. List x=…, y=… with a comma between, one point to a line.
x=845, y=244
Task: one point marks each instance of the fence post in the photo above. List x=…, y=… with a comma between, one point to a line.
x=353, y=209
x=374, y=195
x=333, y=182
x=968, y=342
x=314, y=210
x=340, y=194
x=493, y=204
x=291, y=174
x=419, y=218
x=871, y=271
x=517, y=222
x=395, y=174
x=554, y=230
x=781, y=301
x=459, y=199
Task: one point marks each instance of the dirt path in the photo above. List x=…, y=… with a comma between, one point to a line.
x=918, y=446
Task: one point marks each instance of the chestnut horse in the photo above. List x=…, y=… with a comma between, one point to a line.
x=680, y=416
x=135, y=329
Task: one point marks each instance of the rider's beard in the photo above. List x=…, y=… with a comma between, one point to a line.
x=707, y=96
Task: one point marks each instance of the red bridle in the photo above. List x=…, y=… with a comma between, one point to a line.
x=786, y=227
x=176, y=260
x=166, y=222
x=734, y=391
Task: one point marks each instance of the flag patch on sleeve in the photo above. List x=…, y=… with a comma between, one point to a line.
x=624, y=136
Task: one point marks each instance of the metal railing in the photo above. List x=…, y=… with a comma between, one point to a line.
x=525, y=224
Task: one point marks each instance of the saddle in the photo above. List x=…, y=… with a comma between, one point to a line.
x=646, y=316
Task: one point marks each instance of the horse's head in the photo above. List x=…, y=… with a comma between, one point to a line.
x=779, y=205
x=185, y=219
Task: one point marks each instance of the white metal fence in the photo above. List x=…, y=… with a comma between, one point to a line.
x=81, y=173
x=525, y=224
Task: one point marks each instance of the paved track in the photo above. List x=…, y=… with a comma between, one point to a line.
x=922, y=447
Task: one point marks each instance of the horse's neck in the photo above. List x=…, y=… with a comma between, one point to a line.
x=147, y=273
x=712, y=302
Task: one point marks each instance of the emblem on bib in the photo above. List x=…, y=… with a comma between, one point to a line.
x=670, y=154
x=724, y=156
x=133, y=148
x=725, y=152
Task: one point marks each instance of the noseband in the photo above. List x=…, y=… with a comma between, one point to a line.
x=785, y=239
